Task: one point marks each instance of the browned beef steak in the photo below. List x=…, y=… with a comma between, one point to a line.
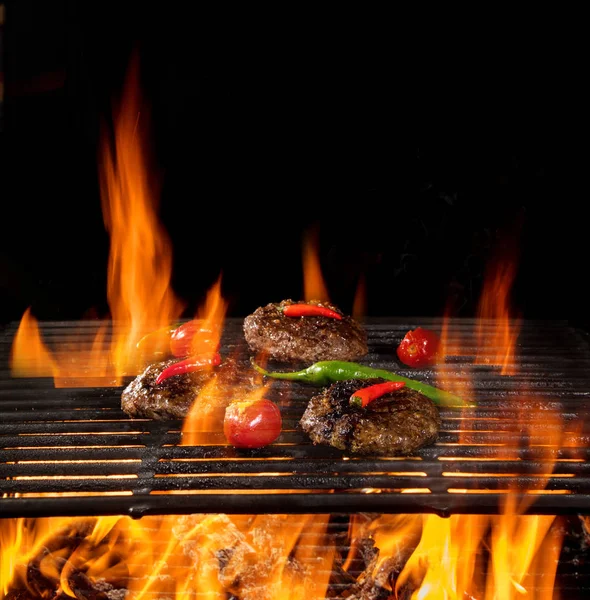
x=307, y=339
x=397, y=423
x=171, y=399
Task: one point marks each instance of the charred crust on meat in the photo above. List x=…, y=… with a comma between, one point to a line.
x=171, y=399
x=308, y=339
x=397, y=423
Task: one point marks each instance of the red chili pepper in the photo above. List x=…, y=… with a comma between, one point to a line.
x=310, y=310
x=366, y=395
x=194, y=363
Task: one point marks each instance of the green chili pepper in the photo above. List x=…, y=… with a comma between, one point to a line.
x=329, y=371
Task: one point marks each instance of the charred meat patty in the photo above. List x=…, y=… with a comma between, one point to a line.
x=307, y=339
x=171, y=399
x=397, y=423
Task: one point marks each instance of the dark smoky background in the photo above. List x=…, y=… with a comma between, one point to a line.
x=411, y=164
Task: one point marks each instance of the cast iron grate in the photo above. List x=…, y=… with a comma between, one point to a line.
x=74, y=452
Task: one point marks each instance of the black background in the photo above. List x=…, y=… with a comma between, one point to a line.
x=409, y=159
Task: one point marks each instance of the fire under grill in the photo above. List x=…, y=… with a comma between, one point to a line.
x=72, y=451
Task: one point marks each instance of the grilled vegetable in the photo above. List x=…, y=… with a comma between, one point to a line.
x=176, y=339
x=252, y=424
x=310, y=310
x=181, y=339
x=194, y=363
x=366, y=395
x=329, y=371
x=419, y=348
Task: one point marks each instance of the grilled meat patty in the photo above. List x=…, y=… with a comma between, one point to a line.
x=171, y=399
x=397, y=423
x=307, y=339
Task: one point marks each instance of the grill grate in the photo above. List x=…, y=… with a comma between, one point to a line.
x=79, y=443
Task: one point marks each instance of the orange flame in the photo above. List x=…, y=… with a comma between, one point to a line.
x=266, y=557
x=454, y=341
x=208, y=409
x=395, y=536
x=140, y=258
x=497, y=332
x=78, y=362
x=497, y=329
x=211, y=315
x=314, y=287
x=29, y=357
x=497, y=325
x=359, y=305
x=139, y=271
x=204, y=423
x=442, y=565
x=445, y=562
x=453, y=338
x=277, y=538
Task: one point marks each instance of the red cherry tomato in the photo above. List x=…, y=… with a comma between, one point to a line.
x=182, y=338
x=419, y=348
x=252, y=424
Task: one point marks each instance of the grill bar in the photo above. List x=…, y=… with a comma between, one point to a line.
x=138, y=506
x=530, y=434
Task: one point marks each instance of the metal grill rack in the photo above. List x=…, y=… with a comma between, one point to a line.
x=74, y=452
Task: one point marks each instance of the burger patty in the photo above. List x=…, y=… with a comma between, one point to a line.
x=397, y=423
x=307, y=339
x=171, y=399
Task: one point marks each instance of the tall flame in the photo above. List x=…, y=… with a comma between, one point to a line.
x=498, y=326
x=140, y=258
x=139, y=269
x=478, y=556
x=447, y=563
x=497, y=332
